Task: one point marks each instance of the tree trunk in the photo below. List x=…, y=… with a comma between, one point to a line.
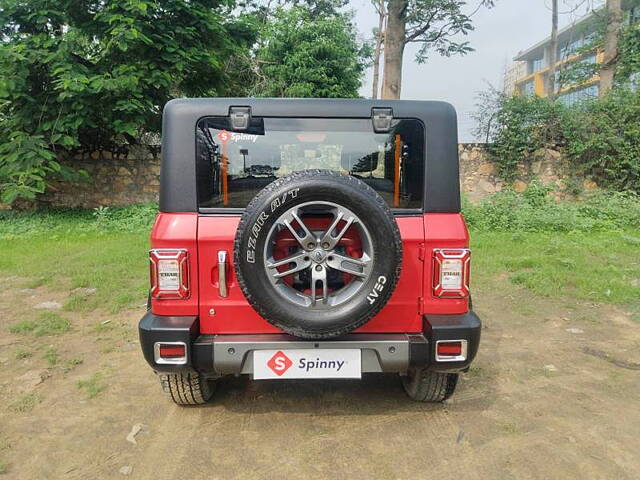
x=379, y=41
x=395, y=37
x=610, y=60
x=553, y=52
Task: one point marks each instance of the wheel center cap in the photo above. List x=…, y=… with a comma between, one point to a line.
x=318, y=256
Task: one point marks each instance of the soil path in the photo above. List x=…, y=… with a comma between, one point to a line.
x=538, y=403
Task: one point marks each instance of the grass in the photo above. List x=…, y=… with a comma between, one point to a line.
x=70, y=364
x=25, y=403
x=4, y=446
x=114, y=263
x=601, y=267
x=52, y=356
x=106, y=251
x=93, y=385
x=588, y=250
x=47, y=323
x=22, y=354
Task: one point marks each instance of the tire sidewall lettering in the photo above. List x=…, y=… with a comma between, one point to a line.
x=258, y=225
x=377, y=289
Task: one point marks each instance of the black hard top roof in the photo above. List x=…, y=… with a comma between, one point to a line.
x=178, y=170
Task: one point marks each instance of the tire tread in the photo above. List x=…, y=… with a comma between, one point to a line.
x=186, y=388
x=424, y=385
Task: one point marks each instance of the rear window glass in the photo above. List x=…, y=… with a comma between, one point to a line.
x=232, y=167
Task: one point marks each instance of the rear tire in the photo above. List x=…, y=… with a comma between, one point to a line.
x=424, y=385
x=187, y=388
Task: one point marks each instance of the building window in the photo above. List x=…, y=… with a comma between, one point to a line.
x=527, y=88
x=565, y=51
x=634, y=15
x=579, y=95
x=536, y=65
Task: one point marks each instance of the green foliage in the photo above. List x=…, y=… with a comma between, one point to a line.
x=629, y=56
x=522, y=125
x=304, y=55
x=581, y=69
x=438, y=25
x=603, y=139
x=578, y=66
x=536, y=211
x=79, y=74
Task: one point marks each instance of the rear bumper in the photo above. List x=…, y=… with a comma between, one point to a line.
x=216, y=355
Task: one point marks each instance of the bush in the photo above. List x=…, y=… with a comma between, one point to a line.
x=524, y=124
x=92, y=75
x=536, y=211
x=603, y=139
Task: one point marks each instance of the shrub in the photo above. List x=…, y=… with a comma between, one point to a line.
x=603, y=139
x=522, y=125
x=536, y=211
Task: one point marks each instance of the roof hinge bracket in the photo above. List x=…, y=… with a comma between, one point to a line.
x=421, y=253
x=240, y=117
x=382, y=118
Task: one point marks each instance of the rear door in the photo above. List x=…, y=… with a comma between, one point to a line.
x=232, y=167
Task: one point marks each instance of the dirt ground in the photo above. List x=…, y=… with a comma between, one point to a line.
x=554, y=393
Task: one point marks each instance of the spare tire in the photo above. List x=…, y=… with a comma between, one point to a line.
x=317, y=253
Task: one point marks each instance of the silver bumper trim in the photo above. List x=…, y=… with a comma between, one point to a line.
x=380, y=352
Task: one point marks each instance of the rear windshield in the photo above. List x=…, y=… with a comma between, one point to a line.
x=232, y=167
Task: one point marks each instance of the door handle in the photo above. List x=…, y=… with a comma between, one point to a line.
x=222, y=273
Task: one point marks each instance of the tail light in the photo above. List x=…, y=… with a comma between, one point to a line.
x=170, y=353
x=169, y=273
x=451, y=272
x=451, y=350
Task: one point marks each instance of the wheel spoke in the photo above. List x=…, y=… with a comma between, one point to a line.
x=316, y=254
x=353, y=266
x=300, y=261
x=328, y=241
x=306, y=241
x=318, y=275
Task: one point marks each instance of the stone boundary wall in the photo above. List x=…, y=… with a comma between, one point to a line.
x=479, y=173
x=132, y=176
x=115, y=178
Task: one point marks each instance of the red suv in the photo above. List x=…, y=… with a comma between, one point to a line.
x=309, y=239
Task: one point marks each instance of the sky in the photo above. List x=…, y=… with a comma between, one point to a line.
x=500, y=33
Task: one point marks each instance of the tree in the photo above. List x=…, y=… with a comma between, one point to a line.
x=553, y=51
x=303, y=55
x=433, y=24
x=610, y=60
x=379, y=36
x=87, y=74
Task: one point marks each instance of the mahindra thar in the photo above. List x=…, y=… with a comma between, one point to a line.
x=303, y=238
